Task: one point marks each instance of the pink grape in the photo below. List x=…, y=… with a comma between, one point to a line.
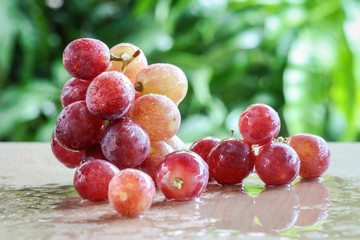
x=176, y=143
x=132, y=70
x=159, y=116
x=131, y=192
x=314, y=154
x=74, y=90
x=91, y=179
x=110, y=95
x=76, y=128
x=259, y=124
x=85, y=58
x=125, y=143
x=182, y=175
x=164, y=79
x=69, y=158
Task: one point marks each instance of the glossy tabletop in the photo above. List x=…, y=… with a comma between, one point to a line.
x=38, y=201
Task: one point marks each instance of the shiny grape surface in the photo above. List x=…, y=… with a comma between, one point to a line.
x=91, y=179
x=131, y=192
x=164, y=79
x=259, y=124
x=69, y=158
x=132, y=70
x=176, y=143
x=85, y=58
x=74, y=90
x=93, y=152
x=110, y=95
x=159, y=116
x=76, y=128
x=125, y=143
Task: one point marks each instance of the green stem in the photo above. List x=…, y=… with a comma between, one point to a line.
x=125, y=58
x=177, y=183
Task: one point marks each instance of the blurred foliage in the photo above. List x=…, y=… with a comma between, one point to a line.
x=302, y=57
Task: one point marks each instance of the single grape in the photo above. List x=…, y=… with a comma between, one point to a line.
x=74, y=90
x=76, y=128
x=314, y=154
x=164, y=79
x=182, y=175
x=93, y=152
x=91, y=179
x=176, y=143
x=85, y=58
x=277, y=164
x=132, y=70
x=159, y=116
x=125, y=143
x=110, y=95
x=69, y=158
x=131, y=192
x=259, y=124
x=230, y=161
x=158, y=150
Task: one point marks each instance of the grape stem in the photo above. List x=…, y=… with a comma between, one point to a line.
x=281, y=140
x=138, y=86
x=177, y=183
x=125, y=58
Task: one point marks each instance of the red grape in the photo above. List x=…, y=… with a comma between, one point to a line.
x=93, y=152
x=76, y=128
x=314, y=154
x=69, y=158
x=158, y=150
x=125, y=143
x=131, y=192
x=110, y=95
x=277, y=164
x=259, y=124
x=74, y=90
x=158, y=115
x=176, y=143
x=182, y=175
x=164, y=79
x=91, y=179
x=86, y=58
x=230, y=161
x=132, y=70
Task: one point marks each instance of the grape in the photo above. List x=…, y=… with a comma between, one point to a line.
x=314, y=154
x=182, y=175
x=91, y=179
x=93, y=152
x=132, y=70
x=85, y=58
x=230, y=161
x=259, y=124
x=74, y=90
x=164, y=79
x=157, y=152
x=176, y=143
x=69, y=158
x=131, y=192
x=110, y=95
x=125, y=143
x=76, y=128
x=158, y=115
x=277, y=164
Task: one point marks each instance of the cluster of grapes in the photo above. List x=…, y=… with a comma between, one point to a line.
x=119, y=124
x=276, y=161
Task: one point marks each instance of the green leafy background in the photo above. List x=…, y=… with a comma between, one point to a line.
x=302, y=57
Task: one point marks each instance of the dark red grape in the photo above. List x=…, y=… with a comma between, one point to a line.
x=182, y=175
x=314, y=154
x=74, y=90
x=259, y=124
x=125, y=143
x=76, y=128
x=277, y=164
x=86, y=58
x=230, y=161
x=110, y=95
x=131, y=192
x=69, y=158
x=93, y=152
x=91, y=179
